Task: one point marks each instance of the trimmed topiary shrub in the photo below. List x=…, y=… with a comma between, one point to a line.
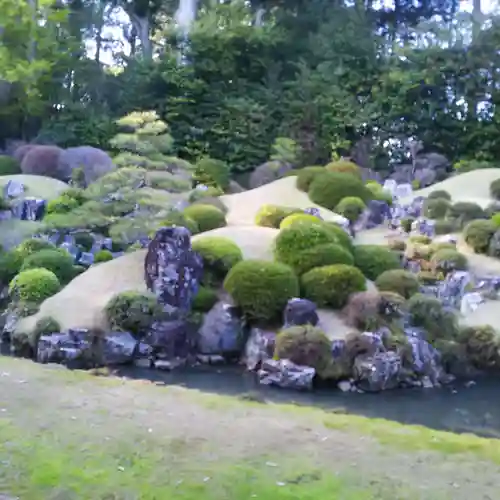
x=380, y=194
x=9, y=166
x=33, y=245
x=273, y=215
x=299, y=217
x=207, y=217
x=446, y=260
x=219, y=256
x=398, y=281
x=204, y=300
x=212, y=173
x=132, y=312
x=261, y=289
x=350, y=207
x=179, y=219
x=43, y=160
x=215, y=202
x=439, y=193
x=34, y=285
x=10, y=265
x=305, y=345
x=441, y=245
x=478, y=233
x=344, y=167
x=58, y=261
x=373, y=260
x=465, y=211
x=322, y=255
x=103, y=256
x=420, y=239
x=328, y=189
x=306, y=175
x=436, y=208
x=495, y=189
x=343, y=238
x=332, y=285
x=200, y=194
x=445, y=226
x=406, y=223
x=84, y=240
x=482, y=346
x=61, y=205
x=293, y=240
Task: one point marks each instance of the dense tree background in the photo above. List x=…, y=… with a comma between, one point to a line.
x=348, y=77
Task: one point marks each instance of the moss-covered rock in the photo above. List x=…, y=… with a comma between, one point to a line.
x=436, y=208
x=298, y=217
x=344, y=167
x=204, y=300
x=103, y=256
x=322, y=255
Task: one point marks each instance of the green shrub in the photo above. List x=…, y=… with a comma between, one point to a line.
x=200, y=194
x=441, y=245
x=398, y=281
x=61, y=205
x=77, y=194
x=343, y=238
x=179, y=219
x=293, y=240
x=58, y=261
x=103, y=256
x=492, y=209
x=34, y=285
x=445, y=226
x=273, y=215
x=478, y=233
x=219, y=256
x=446, y=260
x=78, y=270
x=373, y=260
x=420, y=239
x=496, y=219
x=482, y=346
x=207, y=217
x=439, y=193
x=463, y=166
x=305, y=345
x=84, y=240
x=204, y=300
x=344, y=167
x=215, y=202
x=322, y=255
x=132, y=312
x=465, y=211
x=427, y=277
x=25, y=344
x=306, y=175
x=406, y=223
x=328, y=189
x=351, y=208
x=380, y=194
x=33, y=245
x=10, y=265
x=299, y=217
x=495, y=189
x=332, y=285
x=211, y=172
x=261, y=289
x=9, y=166
x=436, y=208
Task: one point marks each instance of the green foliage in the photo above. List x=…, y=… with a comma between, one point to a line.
x=212, y=173
x=9, y=166
x=132, y=312
x=463, y=166
x=299, y=217
x=219, y=256
x=84, y=240
x=58, y=261
x=61, y=205
x=273, y=215
x=34, y=285
x=207, y=217
x=482, y=346
x=406, y=223
x=495, y=189
x=344, y=167
x=285, y=150
x=261, y=289
x=332, y=285
x=436, y=208
x=496, y=220
x=204, y=300
x=175, y=218
x=329, y=188
x=321, y=255
x=343, y=238
x=103, y=256
x=446, y=260
x=398, y=281
x=200, y=194
x=306, y=175
x=478, y=233
x=350, y=207
x=439, y=193
x=465, y=211
x=33, y=245
x=421, y=239
x=445, y=226
x=373, y=260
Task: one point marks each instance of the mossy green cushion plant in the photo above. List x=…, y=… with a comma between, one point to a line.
x=306, y=175
x=299, y=217
x=439, y=193
x=261, y=289
x=62, y=205
x=9, y=166
x=328, y=189
x=207, y=217
x=34, y=285
x=373, y=260
x=204, y=300
x=132, y=312
x=219, y=256
x=273, y=215
x=344, y=167
x=179, y=219
x=446, y=260
x=406, y=223
x=398, y=281
x=33, y=245
x=350, y=207
x=478, y=233
x=436, y=208
x=482, y=346
x=84, y=240
x=332, y=285
x=465, y=211
x=103, y=256
x=58, y=261
x=343, y=238
x=212, y=173
x=321, y=255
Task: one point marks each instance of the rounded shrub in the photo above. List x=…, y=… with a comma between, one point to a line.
x=261, y=289
x=9, y=166
x=288, y=221
x=293, y=240
x=465, y=211
x=439, y=193
x=420, y=239
x=445, y=226
x=446, y=260
x=61, y=205
x=103, y=256
x=204, y=300
x=322, y=255
x=215, y=202
x=350, y=207
x=306, y=175
x=373, y=260
x=179, y=219
x=211, y=172
x=84, y=240
x=273, y=215
x=10, y=264
x=343, y=238
x=418, y=251
x=482, y=346
x=58, y=261
x=478, y=233
x=492, y=209
x=132, y=312
x=380, y=194
x=441, y=245
x=34, y=285
x=397, y=245
x=219, y=256
x=398, y=281
x=344, y=167
x=33, y=245
x=200, y=194
x=305, y=345
x=25, y=344
x=332, y=285
x=207, y=217
x=406, y=223
x=328, y=189
x=495, y=189
x=436, y=208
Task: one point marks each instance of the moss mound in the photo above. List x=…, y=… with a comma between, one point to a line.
x=398, y=281
x=9, y=166
x=34, y=285
x=436, y=208
x=298, y=217
x=273, y=215
x=373, y=260
x=204, y=300
x=58, y=261
x=207, y=217
x=344, y=167
x=478, y=233
x=351, y=207
x=306, y=175
x=322, y=255
x=446, y=260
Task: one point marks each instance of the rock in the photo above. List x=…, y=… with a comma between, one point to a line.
x=259, y=347
x=172, y=269
x=268, y=172
x=209, y=359
x=94, y=162
x=172, y=339
x=168, y=365
x=313, y=211
x=300, y=312
x=377, y=372
x=13, y=189
x=494, y=246
x=9, y=319
x=378, y=212
x=118, y=348
x=221, y=331
x=345, y=386
x=285, y=374
x=425, y=177
x=32, y=209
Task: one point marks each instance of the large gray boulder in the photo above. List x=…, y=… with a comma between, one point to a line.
x=93, y=161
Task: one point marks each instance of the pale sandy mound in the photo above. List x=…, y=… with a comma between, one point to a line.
x=376, y=236
x=38, y=186
x=242, y=207
x=471, y=186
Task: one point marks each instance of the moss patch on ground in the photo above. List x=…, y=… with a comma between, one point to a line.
x=36, y=185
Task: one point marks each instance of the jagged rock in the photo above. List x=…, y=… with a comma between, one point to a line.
x=172, y=339
x=300, y=312
x=378, y=212
x=118, y=348
x=32, y=209
x=13, y=189
x=377, y=372
x=221, y=331
x=259, y=347
x=285, y=374
x=172, y=269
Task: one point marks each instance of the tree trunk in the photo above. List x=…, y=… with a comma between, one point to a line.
x=142, y=28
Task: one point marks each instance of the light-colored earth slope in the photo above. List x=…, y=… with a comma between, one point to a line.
x=242, y=207
x=36, y=185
